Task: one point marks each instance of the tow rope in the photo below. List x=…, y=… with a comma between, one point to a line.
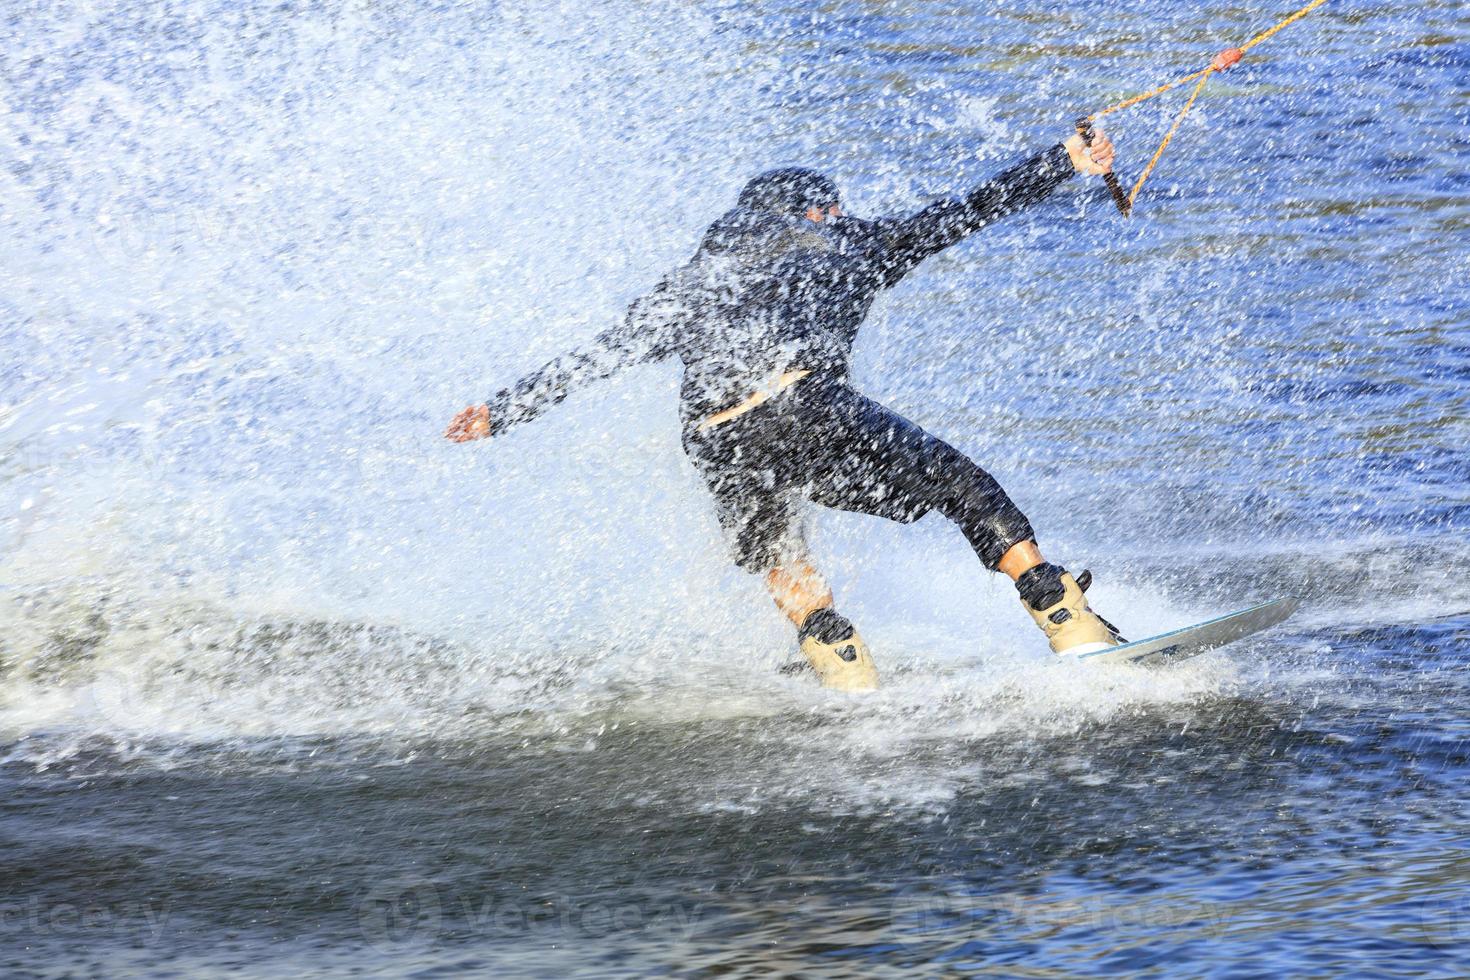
x=1222, y=61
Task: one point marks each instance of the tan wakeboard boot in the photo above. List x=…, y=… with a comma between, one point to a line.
x=1055, y=600
x=837, y=653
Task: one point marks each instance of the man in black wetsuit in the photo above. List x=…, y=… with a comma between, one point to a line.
x=763, y=318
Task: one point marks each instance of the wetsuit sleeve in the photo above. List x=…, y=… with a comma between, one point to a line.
x=909, y=241
x=644, y=335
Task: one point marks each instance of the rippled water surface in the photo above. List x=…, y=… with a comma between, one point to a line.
x=289, y=686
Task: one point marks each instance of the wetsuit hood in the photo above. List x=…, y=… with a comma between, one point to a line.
x=767, y=220
x=789, y=190
x=752, y=235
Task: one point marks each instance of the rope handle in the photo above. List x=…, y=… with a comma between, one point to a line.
x=1221, y=62
x=1084, y=129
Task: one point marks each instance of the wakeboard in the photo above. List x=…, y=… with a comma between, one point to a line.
x=1191, y=641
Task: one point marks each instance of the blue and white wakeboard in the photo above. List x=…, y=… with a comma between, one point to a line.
x=1190, y=641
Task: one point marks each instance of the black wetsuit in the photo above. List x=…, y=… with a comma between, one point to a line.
x=770, y=292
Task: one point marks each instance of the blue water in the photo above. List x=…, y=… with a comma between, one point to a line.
x=291, y=687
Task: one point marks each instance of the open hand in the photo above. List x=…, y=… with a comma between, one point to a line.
x=1094, y=159
x=471, y=424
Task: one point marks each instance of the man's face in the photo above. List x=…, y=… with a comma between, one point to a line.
x=819, y=215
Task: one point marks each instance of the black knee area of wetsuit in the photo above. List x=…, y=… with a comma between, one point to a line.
x=972, y=498
x=1041, y=587
x=827, y=626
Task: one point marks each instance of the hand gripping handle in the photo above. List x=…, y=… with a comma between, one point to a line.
x=1084, y=128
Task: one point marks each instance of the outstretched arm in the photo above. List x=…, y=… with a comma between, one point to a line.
x=912, y=239
x=642, y=336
